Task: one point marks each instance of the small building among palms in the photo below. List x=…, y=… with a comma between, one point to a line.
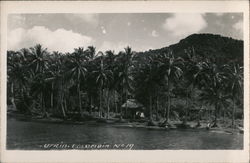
x=133, y=109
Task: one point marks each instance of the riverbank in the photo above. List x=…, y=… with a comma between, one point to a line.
x=223, y=127
x=35, y=135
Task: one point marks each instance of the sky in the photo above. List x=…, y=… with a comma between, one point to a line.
x=114, y=31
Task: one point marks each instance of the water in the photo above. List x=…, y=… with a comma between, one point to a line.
x=34, y=136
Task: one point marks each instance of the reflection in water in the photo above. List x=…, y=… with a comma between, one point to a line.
x=33, y=135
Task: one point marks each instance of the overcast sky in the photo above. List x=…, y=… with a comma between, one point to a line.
x=64, y=32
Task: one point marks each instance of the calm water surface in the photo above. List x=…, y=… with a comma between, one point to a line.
x=34, y=135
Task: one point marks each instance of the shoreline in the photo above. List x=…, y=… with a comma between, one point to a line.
x=115, y=122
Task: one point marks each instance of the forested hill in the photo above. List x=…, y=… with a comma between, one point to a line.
x=215, y=47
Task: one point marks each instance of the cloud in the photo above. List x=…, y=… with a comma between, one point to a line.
x=154, y=33
x=184, y=24
x=59, y=40
x=92, y=19
x=238, y=26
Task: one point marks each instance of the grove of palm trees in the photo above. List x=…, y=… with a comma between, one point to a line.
x=199, y=79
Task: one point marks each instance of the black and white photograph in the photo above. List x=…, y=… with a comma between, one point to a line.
x=118, y=81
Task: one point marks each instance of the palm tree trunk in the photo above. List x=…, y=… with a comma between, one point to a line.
x=51, y=96
x=233, y=113
x=43, y=106
x=90, y=111
x=120, y=104
x=100, y=107
x=65, y=105
x=116, y=111
x=168, y=109
x=215, y=114
x=165, y=109
x=209, y=114
x=41, y=103
x=126, y=98
x=168, y=112
x=187, y=108
x=150, y=107
x=79, y=98
x=61, y=99
x=63, y=110
x=12, y=95
x=157, y=107
x=224, y=115
x=108, y=104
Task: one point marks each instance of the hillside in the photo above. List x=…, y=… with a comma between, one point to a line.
x=218, y=48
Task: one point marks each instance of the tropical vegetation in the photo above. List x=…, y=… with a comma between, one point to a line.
x=200, y=77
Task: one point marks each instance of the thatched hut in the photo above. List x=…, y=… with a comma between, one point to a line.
x=132, y=108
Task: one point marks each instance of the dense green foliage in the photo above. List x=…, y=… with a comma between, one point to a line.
x=200, y=75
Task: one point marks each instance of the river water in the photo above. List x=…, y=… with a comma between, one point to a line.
x=42, y=136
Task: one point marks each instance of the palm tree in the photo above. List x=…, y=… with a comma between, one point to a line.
x=190, y=77
x=39, y=61
x=171, y=71
x=90, y=78
x=38, y=66
x=147, y=81
x=56, y=80
x=17, y=75
x=110, y=60
x=125, y=77
x=90, y=53
x=235, y=73
x=116, y=84
x=103, y=77
x=214, y=86
x=77, y=72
